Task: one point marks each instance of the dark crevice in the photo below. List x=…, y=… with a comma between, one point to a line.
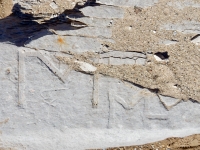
x=162, y=55
x=107, y=46
x=174, y=40
x=193, y=101
x=135, y=84
x=156, y=90
x=196, y=36
x=88, y=3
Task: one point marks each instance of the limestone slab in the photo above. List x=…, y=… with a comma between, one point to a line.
x=99, y=85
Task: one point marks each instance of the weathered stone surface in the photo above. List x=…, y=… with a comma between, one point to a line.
x=86, y=31
x=97, y=22
x=45, y=8
x=103, y=11
x=65, y=43
x=128, y=3
x=109, y=73
x=185, y=27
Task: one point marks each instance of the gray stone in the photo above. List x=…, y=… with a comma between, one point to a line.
x=97, y=22
x=121, y=54
x=103, y=11
x=185, y=27
x=168, y=42
x=48, y=104
x=87, y=31
x=183, y=4
x=53, y=109
x=129, y=3
x=169, y=102
x=64, y=43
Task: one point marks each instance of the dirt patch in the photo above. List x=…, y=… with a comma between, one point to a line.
x=173, y=69
x=5, y=8
x=141, y=30
x=186, y=143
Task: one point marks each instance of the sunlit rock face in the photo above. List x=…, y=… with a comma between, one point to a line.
x=5, y=7
x=95, y=74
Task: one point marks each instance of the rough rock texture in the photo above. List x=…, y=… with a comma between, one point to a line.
x=145, y=30
x=5, y=7
x=46, y=8
x=97, y=74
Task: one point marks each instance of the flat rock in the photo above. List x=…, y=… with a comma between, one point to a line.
x=103, y=11
x=63, y=29
x=65, y=43
x=129, y=3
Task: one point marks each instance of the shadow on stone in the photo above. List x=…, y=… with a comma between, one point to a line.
x=19, y=27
